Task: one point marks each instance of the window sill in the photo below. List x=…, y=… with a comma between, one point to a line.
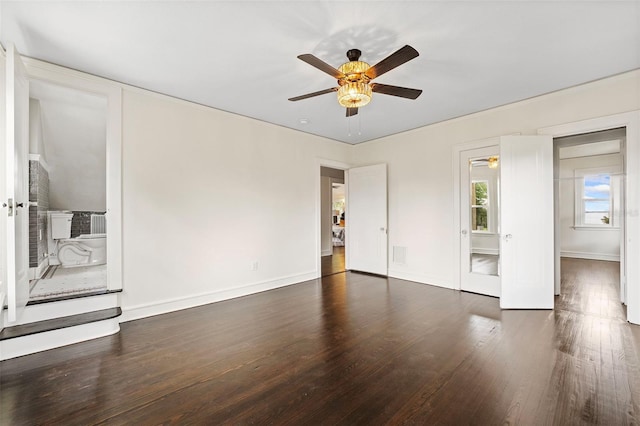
x=595, y=228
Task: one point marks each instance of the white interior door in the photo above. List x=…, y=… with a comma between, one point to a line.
x=479, y=222
x=366, y=222
x=526, y=176
x=17, y=183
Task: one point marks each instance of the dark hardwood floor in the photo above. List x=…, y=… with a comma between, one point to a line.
x=348, y=349
x=335, y=263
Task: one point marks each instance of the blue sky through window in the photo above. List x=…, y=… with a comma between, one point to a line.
x=597, y=189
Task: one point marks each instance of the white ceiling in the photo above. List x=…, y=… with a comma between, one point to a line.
x=241, y=56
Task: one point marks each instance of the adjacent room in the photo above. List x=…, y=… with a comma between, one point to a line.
x=319, y=212
x=67, y=192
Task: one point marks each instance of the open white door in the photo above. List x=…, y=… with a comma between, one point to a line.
x=367, y=219
x=17, y=184
x=526, y=176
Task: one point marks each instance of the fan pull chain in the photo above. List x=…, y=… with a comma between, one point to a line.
x=349, y=126
x=359, y=124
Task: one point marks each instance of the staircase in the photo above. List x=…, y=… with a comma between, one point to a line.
x=59, y=322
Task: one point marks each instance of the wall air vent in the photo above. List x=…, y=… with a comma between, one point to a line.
x=399, y=255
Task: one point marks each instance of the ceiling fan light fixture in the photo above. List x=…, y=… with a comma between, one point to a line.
x=354, y=70
x=354, y=95
x=354, y=78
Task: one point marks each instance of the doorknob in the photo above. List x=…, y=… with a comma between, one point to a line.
x=463, y=232
x=508, y=237
x=19, y=205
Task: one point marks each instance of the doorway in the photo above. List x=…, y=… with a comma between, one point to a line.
x=15, y=250
x=525, y=234
x=67, y=192
x=333, y=221
x=589, y=193
x=629, y=271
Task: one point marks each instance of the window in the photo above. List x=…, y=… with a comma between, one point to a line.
x=480, y=205
x=596, y=190
x=596, y=200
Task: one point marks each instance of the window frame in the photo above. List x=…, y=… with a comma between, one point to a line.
x=486, y=206
x=580, y=200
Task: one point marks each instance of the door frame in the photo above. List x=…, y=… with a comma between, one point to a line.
x=458, y=151
x=489, y=285
x=54, y=74
x=631, y=121
x=3, y=212
x=324, y=162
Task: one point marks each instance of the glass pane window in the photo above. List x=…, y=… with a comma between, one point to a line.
x=596, y=200
x=479, y=206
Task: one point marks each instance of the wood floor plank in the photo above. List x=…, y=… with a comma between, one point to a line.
x=349, y=349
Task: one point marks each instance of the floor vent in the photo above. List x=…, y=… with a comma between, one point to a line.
x=399, y=255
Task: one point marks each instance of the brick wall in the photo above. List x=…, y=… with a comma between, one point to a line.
x=81, y=223
x=38, y=207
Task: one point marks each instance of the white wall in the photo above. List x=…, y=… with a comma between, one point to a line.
x=420, y=167
x=36, y=142
x=205, y=195
x=588, y=243
x=73, y=136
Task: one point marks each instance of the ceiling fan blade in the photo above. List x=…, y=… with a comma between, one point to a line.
x=351, y=112
x=321, y=65
x=311, y=95
x=399, y=57
x=403, y=92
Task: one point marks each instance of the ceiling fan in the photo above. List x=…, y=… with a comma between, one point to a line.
x=354, y=78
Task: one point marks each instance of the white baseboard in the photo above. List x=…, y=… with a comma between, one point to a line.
x=19, y=346
x=590, y=256
x=328, y=252
x=36, y=272
x=130, y=313
x=420, y=278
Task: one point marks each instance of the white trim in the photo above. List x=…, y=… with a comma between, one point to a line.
x=19, y=346
x=595, y=228
x=327, y=252
x=579, y=197
x=325, y=162
x=63, y=308
x=590, y=256
x=494, y=252
x=113, y=93
x=630, y=249
x=421, y=279
x=178, y=303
